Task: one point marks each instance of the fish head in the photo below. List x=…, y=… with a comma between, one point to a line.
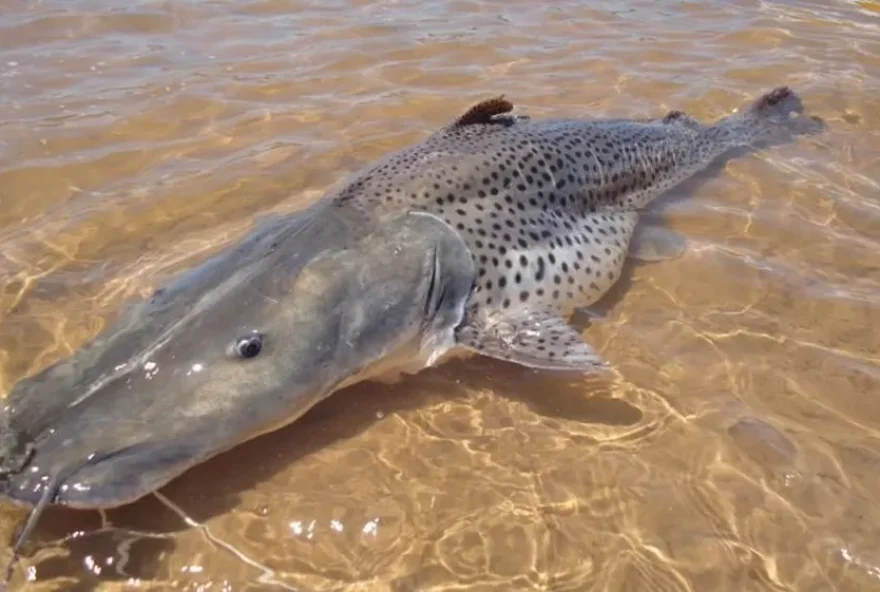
x=239, y=346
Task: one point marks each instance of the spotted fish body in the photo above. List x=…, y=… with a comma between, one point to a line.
x=548, y=208
x=483, y=238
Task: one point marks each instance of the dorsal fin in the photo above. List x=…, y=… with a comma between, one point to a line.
x=484, y=111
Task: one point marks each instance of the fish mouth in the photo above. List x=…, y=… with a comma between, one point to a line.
x=68, y=465
x=101, y=479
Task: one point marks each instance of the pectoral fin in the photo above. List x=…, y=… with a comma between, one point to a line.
x=653, y=242
x=538, y=340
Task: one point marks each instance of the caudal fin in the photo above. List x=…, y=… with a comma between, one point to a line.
x=777, y=115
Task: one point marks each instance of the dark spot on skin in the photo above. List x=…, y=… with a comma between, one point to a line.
x=539, y=273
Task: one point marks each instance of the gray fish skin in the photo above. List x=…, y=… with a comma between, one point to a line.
x=549, y=207
x=335, y=298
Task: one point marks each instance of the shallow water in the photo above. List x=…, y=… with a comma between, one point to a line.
x=739, y=447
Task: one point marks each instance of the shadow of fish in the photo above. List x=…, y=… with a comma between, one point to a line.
x=484, y=238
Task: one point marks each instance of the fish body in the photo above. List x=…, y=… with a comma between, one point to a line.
x=482, y=238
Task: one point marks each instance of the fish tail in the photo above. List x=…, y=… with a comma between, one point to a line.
x=777, y=115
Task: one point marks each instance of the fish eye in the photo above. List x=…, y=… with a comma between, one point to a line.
x=249, y=346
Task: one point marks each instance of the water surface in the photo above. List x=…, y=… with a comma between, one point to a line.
x=739, y=447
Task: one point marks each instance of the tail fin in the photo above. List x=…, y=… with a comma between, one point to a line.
x=777, y=115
